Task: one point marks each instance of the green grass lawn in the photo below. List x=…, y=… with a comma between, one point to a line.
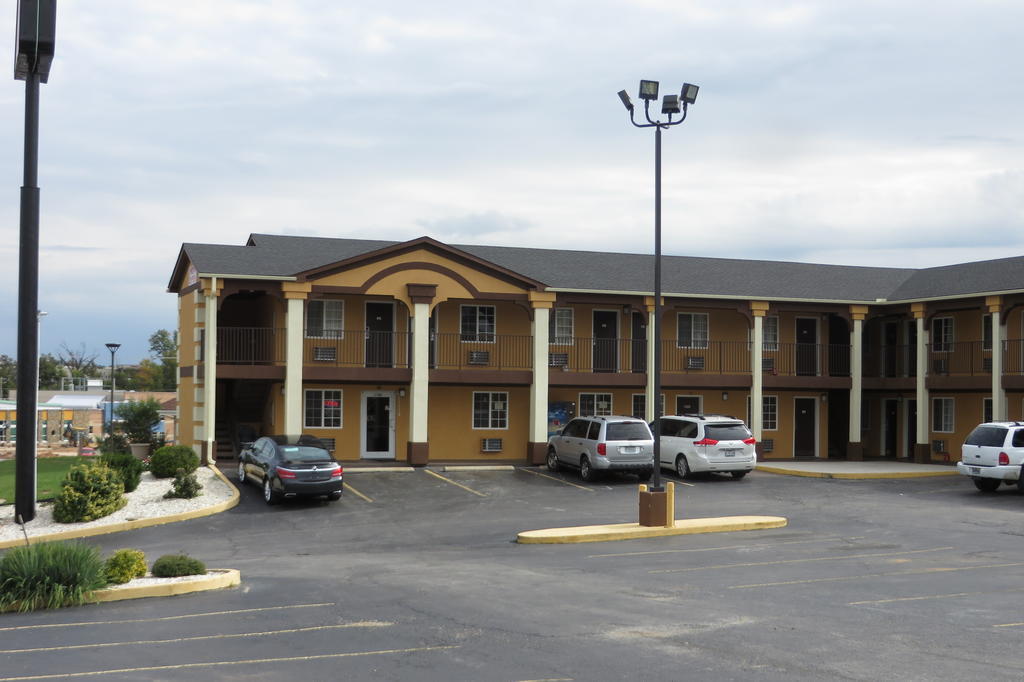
x=50, y=471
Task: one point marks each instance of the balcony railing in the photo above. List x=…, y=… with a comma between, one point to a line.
x=1013, y=356
x=250, y=345
x=357, y=348
x=586, y=354
x=960, y=358
x=481, y=351
x=891, y=361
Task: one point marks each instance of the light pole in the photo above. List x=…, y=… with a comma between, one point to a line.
x=112, y=347
x=34, y=36
x=671, y=105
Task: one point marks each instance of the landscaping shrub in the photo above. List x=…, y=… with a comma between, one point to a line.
x=175, y=565
x=127, y=465
x=88, y=492
x=125, y=564
x=49, y=575
x=166, y=461
x=138, y=417
x=115, y=443
x=185, y=485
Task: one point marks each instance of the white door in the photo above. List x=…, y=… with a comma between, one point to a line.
x=377, y=436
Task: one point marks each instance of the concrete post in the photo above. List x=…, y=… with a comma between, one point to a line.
x=855, y=448
x=536, y=447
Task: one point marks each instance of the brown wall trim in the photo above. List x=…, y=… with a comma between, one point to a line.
x=250, y=372
x=808, y=383
x=188, y=290
x=1013, y=382
x=943, y=383
x=610, y=380
x=481, y=376
x=362, y=375
x=186, y=371
x=889, y=384
x=417, y=454
x=676, y=381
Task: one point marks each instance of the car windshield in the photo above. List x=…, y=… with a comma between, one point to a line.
x=628, y=431
x=993, y=436
x=302, y=453
x=726, y=432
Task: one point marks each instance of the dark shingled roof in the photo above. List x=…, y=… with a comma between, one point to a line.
x=285, y=256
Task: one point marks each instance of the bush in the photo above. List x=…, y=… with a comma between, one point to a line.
x=185, y=485
x=49, y=575
x=115, y=443
x=88, y=492
x=127, y=465
x=166, y=461
x=138, y=417
x=176, y=565
x=125, y=564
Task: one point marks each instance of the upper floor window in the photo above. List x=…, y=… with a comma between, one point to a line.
x=986, y=335
x=560, y=327
x=325, y=319
x=942, y=334
x=477, y=323
x=771, y=333
x=692, y=330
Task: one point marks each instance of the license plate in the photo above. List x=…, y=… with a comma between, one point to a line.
x=975, y=470
x=729, y=453
x=630, y=449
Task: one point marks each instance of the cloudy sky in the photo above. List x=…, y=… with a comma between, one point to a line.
x=860, y=132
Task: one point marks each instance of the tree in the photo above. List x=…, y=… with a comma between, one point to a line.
x=81, y=362
x=138, y=417
x=51, y=370
x=163, y=346
x=149, y=376
x=8, y=375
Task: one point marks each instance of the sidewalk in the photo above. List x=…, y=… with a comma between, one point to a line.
x=834, y=468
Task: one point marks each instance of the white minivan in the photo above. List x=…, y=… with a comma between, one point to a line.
x=698, y=443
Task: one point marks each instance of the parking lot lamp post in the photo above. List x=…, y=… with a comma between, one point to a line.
x=34, y=38
x=112, y=347
x=671, y=105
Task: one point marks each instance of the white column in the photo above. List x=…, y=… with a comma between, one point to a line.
x=420, y=373
x=923, y=408
x=856, y=377
x=293, y=367
x=539, y=387
x=210, y=371
x=652, y=343
x=998, y=394
x=757, y=378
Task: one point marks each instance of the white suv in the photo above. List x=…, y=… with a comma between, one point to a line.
x=994, y=454
x=699, y=443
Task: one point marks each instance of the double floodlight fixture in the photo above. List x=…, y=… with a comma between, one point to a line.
x=670, y=104
x=112, y=347
x=35, y=33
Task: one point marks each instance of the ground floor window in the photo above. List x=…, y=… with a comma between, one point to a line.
x=323, y=409
x=769, y=412
x=640, y=405
x=595, y=404
x=490, y=410
x=942, y=415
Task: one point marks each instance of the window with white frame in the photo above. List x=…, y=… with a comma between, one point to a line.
x=771, y=333
x=323, y=409
x=325, y=319
x=692, y=330
x=942, y=415
x=477, y=323
x=942, y=334
x=560, y=327
x=595, y=404
x=640, y=405
x=986, y=335
x=769, y=412
x=490, y=410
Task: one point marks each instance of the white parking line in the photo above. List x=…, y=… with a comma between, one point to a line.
x=553, y=478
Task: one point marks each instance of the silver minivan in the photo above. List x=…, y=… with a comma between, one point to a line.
x=598, y=444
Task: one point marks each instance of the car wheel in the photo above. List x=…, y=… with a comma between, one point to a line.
x=682, y=468
x=241, y=473
x=335, y=496
x=270, y=495
x=587, y=472
x=552, y=461
x=739, y=474
x=987, y=485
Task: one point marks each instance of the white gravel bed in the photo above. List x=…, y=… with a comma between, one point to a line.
x=145, y=502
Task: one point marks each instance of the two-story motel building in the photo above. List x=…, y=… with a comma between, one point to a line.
x=422, y=351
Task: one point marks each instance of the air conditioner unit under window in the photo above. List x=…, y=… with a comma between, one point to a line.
x=479, y=357
x=490, y=445
x=324, y=354
x=695, y=362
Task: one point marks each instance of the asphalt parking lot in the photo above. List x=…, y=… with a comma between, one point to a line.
x=417, y=577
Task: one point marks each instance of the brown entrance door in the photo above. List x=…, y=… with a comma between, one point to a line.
x=890, y=436
x=806, y=346
x=805, y=428
x=606, y=331
x=911, y=427
x=639, y=355
x=380, y=325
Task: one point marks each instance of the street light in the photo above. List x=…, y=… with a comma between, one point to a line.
x=672, y=105
x=112, y=347
x=34, y=37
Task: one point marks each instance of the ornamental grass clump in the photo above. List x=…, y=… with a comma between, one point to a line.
x=177, y=565
x=127, y=465
x=88, y=492
x=125, y=564
x=166, y=461
x=185, y=486
x=49, y=575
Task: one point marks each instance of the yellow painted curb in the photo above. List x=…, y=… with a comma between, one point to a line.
x=630, y=531
x=855, y=476
x=138, y=523
x=216, y=578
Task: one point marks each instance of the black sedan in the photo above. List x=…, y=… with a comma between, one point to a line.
x=290, y=467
